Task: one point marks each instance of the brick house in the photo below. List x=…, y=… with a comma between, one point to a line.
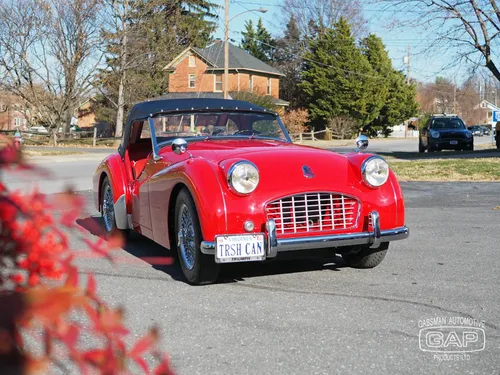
x=201, y=71
x=12, y=112
x=85, y=114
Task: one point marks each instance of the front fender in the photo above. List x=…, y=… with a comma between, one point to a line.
x=113, y=168
x=201, y=178
x=387, y=199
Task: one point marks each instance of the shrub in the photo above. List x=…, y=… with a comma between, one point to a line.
x=295, y=120
x=41, y=290
x=256, y=97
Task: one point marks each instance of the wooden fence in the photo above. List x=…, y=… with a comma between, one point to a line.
x=34, y=138
x=308, y=136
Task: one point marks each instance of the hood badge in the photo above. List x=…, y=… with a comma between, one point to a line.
x=308, y=173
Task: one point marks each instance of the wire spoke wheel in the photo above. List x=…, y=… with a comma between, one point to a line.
x=198, y=268
x=108, y=209
x=186, y=237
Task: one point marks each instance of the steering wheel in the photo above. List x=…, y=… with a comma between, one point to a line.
x=246, y=132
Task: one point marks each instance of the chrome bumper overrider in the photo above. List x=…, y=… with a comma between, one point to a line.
x=275, y=245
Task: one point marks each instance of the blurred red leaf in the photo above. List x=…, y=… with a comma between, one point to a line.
x=91, y=285
x=72, y=278
x=144, y=344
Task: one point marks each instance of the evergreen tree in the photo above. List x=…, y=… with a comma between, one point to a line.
x=148, y=35
x=258, y=42
x=394, y=100
x=288, y=59
x=338, y=79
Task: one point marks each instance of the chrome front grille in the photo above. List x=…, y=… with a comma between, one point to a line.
x=313, y=212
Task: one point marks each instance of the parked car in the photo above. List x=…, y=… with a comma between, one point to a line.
x=486, y=130
x=39, y=130
x=219, y=181
x=74, y=130
x=445, y=132
x=476, y=130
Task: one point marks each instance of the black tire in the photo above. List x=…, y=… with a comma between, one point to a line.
x=421, y=147
x=366, y=257
x=197, y=267
x=109, y=222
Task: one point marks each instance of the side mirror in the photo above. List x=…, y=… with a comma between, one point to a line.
x=361, y=143
x=179, y=146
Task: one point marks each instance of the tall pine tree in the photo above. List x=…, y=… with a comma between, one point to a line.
x=288, y=60
x=258, y=41
x=394, y=100
x=338, y=79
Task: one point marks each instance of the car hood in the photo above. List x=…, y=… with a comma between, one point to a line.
x=447, y=131
x=304, y=168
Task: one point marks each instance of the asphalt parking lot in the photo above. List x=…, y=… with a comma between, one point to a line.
x=318, y=316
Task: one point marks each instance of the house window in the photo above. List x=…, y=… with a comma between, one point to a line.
x=18, y=121
x=192, y=61
x=269, y=86
x=217, y=82
x=192, y=81
x=3, y=107
x=250, y=83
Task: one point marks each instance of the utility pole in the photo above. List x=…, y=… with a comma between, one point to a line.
x=226, y=50
x=454, y=98
x=408, y=76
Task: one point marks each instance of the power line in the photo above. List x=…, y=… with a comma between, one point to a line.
x=309, y=7
x=317, y=62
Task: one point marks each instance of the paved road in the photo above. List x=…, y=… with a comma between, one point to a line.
x=55, y=174
x=394, y=145
x=318, y=316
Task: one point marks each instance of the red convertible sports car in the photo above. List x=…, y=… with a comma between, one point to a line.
x=219, y=181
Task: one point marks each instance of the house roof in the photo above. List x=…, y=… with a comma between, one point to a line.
x=238, y=59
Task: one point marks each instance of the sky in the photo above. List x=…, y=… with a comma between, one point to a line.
x=423, y=66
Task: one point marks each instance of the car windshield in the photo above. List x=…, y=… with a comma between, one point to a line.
x=217, y=124
x=447, y=123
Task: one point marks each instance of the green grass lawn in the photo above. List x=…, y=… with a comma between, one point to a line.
x=481, y=169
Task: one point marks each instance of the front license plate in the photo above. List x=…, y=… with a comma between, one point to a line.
x=453, y=142
x=240, y=248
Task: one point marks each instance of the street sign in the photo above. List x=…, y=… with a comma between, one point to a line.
x=496, y=116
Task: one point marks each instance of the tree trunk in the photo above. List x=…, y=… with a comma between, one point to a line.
x=121, y=106
x=123, y=73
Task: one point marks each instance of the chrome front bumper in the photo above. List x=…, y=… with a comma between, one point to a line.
x=275, y=245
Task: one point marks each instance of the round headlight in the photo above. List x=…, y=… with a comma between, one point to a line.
x=434, y=134
x=468, y=134
x=243, y=177
x=375, y=171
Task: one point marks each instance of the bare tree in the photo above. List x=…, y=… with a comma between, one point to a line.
x=342, y=127
x=438, y=96
x=132, y=48
x=322, y=14
x=48, y=54
x=471, y=28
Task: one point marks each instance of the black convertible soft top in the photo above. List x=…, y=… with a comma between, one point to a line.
x=156, y=106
